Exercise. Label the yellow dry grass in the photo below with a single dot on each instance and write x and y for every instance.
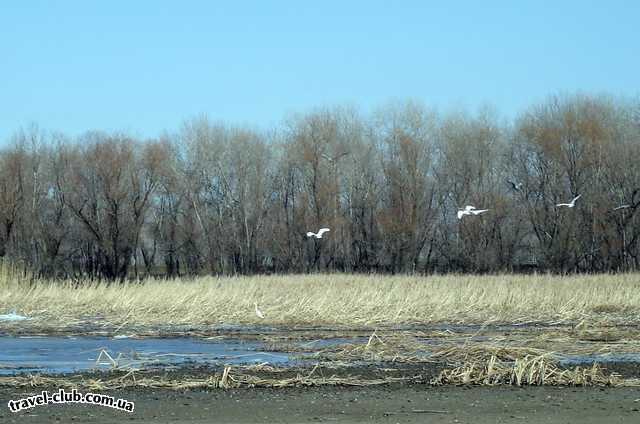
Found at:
(229, 377)
(336, 300)
(528, 371)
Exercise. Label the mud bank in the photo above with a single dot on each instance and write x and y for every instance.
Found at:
(387, 404)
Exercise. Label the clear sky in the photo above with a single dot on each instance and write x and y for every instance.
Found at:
(145, 66)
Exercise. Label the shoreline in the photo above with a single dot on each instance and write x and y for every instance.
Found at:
(415, 404)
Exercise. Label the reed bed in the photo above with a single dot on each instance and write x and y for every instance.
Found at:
(402, 348)
(457, 349)
(531, 370)
(329, 300)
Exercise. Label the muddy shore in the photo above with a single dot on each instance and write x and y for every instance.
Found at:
(406, 402)
(352, 388)
(386, 404)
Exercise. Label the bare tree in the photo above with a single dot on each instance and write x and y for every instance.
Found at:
(107, 185)
(220, 199)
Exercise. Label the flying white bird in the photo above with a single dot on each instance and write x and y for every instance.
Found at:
(572, 204)
(258, 311)
(622, 207)
(319, 234)
(470, 210)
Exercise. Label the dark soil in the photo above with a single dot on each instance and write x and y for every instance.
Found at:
(386, 404)
(390, 403)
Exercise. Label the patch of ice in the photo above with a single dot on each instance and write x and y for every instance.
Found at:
(13, 317)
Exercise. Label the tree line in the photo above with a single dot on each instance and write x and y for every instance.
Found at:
(212, 198)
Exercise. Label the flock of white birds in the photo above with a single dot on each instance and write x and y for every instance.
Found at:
(467, 210)
(472, 210)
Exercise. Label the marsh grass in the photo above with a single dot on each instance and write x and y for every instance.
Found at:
(330, 300)
(405, 347)
(229, 377)
(528, 370)
(483, 363)
(531, 370)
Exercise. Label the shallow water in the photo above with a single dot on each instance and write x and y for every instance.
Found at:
(70, 354)
(59, 354)
(572, 360)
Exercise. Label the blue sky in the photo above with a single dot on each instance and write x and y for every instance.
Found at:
(145, 66)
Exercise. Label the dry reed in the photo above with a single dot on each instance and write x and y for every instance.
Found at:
(530, 370)
(229, 377)
(333, 300)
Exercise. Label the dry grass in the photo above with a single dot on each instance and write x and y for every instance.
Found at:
(229, 377)
(388, 348)
(528, 371)
(456, 349)
(334, 300)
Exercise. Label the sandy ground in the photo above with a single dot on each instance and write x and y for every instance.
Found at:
(388, 404)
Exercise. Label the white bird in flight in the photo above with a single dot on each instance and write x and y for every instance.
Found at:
(258, 311)
(319, 234)
(470, 210)
(622, 207)
(572, 204)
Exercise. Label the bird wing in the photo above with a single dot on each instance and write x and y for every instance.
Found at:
(563, 204)
(621, 207)
(479, 211)
(310, 234)
(469, 207)
(322, 231)
(576, 198)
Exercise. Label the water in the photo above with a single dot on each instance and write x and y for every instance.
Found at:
(573, 360)
(71, 354)
(331, 342)
(58, 355)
